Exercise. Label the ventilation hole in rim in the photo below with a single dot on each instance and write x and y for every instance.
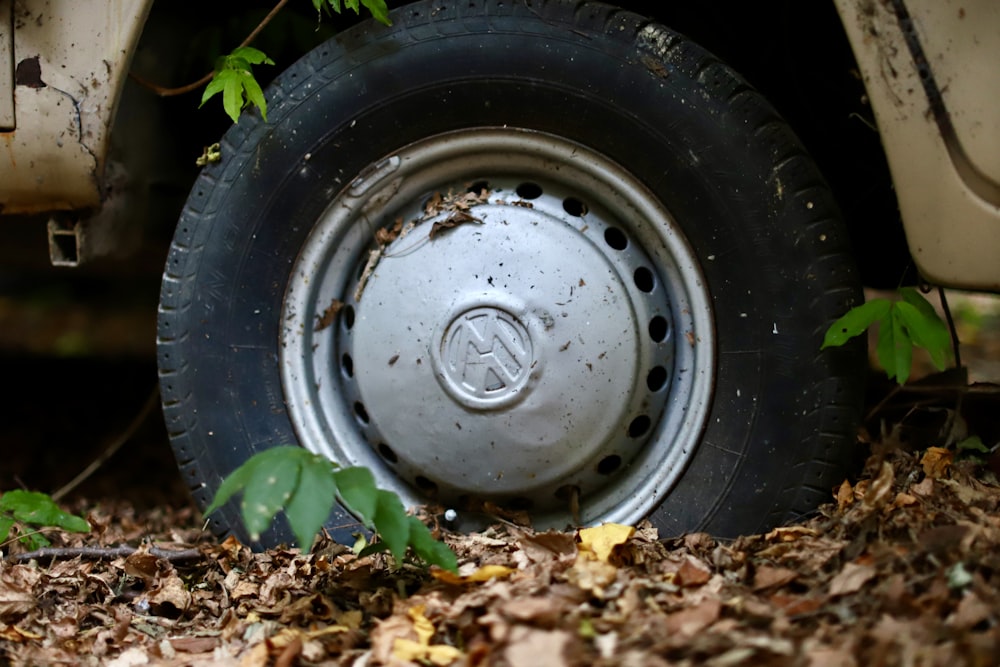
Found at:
(359, 410)
(575, 207)
(426, 486)
(656, 379)
(386, 452)
(477, 187)
(609, 464)
(644, 279)
(639, 426)
(347, 364)
(529, 190)
(348, 312)
(658, 328)
(615, 238)
(520, 504)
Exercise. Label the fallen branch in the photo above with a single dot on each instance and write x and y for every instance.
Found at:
(99, 553)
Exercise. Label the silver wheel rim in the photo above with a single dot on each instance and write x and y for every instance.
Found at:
(501, 316)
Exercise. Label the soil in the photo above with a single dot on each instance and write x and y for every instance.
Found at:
(901, 567)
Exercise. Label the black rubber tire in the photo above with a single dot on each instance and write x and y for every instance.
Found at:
(753, 205)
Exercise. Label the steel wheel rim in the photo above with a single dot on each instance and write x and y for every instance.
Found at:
(348, 395)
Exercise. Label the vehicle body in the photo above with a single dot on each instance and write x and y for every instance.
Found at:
(926, 66)
(720, 245)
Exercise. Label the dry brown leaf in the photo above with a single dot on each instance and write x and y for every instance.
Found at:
(692, 572)
(790, 533)
(528, 647)
(851, 579)
(845, 495)
(690, 621)
(936, 461)
(880, 489)
(767, 576)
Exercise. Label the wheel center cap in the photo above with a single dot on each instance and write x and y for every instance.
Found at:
(485, 357)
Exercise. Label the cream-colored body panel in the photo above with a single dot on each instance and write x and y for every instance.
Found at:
(70, 61)
(944, 154)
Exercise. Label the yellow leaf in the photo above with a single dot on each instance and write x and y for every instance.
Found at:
(602, 540)
(485, 573)
(936, 461)
(422, 650)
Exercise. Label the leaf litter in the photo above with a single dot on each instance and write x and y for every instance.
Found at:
(902, 567)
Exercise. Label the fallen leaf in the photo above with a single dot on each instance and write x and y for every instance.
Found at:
(878, 492)
(528, 647)
(936, 461)
(422, 650)
(767, 576)
(851, 579)
(790, 533)
(485, 573)
(602, 540)
(845, 495)
(690, 621)
(692, 572)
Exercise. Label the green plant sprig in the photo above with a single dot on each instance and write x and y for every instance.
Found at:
(306, 485)
(36, 509)
(234, 76)
(904, 323)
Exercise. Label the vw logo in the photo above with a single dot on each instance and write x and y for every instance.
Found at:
(485, 357)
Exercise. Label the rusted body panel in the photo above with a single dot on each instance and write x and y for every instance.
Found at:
(930, 71)
(70, 58)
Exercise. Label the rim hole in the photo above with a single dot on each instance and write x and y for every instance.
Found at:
(657, 378)
(348, 312)
(639, 426)
(348, 365)
(574, 207)
(520, 504)
(386, 452)
(426, 486)
(658, 328)
(609, 464)
(359, 410)
(644, 279)
(615, 238)
(476, 187)
(529, 191)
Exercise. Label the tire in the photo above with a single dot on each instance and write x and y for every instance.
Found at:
(605, 298)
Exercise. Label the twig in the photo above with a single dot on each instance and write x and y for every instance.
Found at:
(180, 90)
(113, 446)
(99, 553)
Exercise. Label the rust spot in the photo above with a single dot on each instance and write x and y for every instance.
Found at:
(29, 73)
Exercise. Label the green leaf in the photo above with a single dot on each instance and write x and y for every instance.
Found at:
(255, 95)
(430, 550)
(894, 349)
(855, 322)
(973, 443)
(267, 491)
(251, 55)
(310, 503)
(391, 523)
(925, 326)
(378, 10)
(356, 487)
(39, 509)
(6, 523)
